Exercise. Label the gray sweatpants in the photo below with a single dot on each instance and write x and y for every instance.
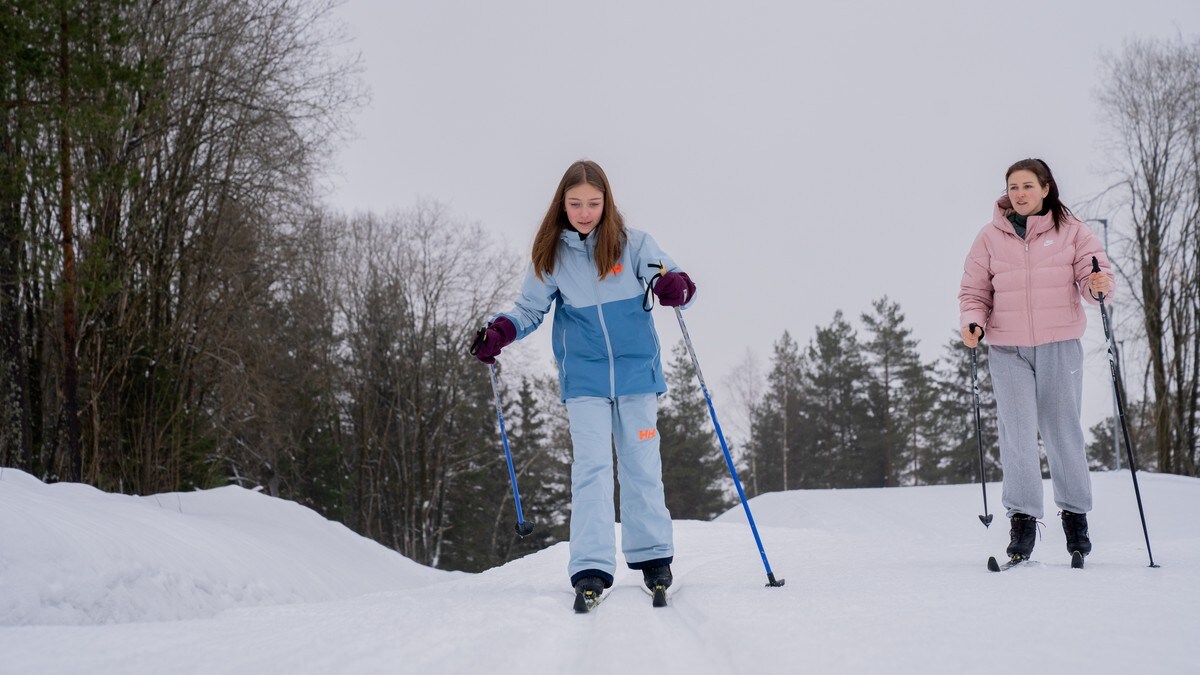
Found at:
(1041, 388)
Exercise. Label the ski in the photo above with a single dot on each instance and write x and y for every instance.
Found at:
(997, 567)
(586, 601)
(659, 594)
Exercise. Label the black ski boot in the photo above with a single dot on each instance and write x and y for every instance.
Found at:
(1075, 526)
(587, 593)
(657, 576)
(1022, 536)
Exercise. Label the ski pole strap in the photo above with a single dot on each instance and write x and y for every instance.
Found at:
(480, 337)
(648, 299)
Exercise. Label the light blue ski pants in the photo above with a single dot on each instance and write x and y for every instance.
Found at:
(631, 423)
(1041, 389)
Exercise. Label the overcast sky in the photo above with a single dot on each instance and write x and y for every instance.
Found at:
(795, 158)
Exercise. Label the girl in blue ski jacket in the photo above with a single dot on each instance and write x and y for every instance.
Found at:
(594, 272)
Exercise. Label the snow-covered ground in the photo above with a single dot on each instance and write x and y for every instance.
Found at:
(878, 581)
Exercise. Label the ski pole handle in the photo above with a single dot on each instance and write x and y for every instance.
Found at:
(971, 327)
(1095, 269)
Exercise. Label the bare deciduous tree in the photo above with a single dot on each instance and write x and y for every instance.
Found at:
(415, 286)
(1151, 101)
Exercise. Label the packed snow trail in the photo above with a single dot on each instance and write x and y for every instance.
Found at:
(878, 581)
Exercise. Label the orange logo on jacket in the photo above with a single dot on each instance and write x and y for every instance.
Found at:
(647, 434)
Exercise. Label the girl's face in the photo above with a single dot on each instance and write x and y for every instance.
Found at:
(1026, 193)
(584, 205)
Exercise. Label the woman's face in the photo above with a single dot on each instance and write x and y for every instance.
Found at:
(1026, 193)
(584, 205)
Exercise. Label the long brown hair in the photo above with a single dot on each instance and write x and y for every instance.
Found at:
(1042, 170)
(609, 233)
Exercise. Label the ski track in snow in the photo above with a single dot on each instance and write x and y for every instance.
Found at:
(230, 581)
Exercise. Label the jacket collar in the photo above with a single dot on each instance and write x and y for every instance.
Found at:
(571, 238)
(1034, 225)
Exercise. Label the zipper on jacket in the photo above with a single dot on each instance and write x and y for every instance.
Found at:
(1029, 290)
(612, 367)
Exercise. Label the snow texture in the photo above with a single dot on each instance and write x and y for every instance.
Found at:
(878, 581)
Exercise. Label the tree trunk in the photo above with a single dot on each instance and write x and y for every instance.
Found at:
(70, 387)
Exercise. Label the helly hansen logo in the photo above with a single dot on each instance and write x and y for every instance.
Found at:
(647, 434)
(617, 269)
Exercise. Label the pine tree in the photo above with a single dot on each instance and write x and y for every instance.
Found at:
(956, 458)
(897, 392)
(834, 403)
(480, 510)
(66, 82)
(694, 468)
(543, 466)
(775, 427)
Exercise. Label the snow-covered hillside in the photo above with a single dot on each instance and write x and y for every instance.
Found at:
(878, 581)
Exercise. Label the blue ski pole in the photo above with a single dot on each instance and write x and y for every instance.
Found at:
(523, 528)
(712, 412)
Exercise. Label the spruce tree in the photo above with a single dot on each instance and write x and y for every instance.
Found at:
(479, 508)
(834, 405)
(897, 392)
(775, 427)
(956, 458)
(543, 465)
(694, 469)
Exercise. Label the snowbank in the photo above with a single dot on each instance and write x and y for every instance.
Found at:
(71, 554)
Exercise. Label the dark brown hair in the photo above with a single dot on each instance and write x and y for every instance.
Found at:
(609, 233)
(1038, 168)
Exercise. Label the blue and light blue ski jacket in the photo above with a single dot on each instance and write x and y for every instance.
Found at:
(604, 342)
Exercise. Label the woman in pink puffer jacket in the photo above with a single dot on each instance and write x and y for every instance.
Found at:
(1024, 281)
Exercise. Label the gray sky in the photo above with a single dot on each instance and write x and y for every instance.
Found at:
(795, 158)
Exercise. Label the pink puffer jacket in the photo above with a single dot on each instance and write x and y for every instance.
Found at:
(1026, 292)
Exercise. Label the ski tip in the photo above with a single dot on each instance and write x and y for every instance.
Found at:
(1076, 560)
(585, 602)
(993, 565)
(660, 596)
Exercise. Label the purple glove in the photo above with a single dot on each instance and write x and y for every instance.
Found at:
(674, 289)
(489, 341)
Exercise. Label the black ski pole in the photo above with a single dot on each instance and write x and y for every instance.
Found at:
(986, 518)
(1117, 389)
(523, 528)
(712, 412)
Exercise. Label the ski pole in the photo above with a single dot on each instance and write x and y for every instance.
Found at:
(523, 528)
(1117, 388)
(712, 412)
(986, 518)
